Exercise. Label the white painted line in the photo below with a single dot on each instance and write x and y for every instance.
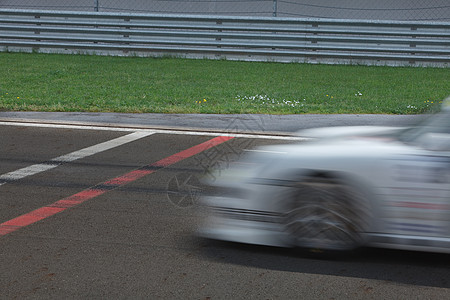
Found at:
(64, 126)
(53, 163)
(103, 146)
(182, 132)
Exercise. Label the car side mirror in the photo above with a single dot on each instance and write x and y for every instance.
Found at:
(435, 141)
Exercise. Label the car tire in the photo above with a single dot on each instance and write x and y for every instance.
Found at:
(325, 216)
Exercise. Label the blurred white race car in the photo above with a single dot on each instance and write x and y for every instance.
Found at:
(349, 187)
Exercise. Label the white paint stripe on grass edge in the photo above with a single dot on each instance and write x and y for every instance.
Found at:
(164, 131)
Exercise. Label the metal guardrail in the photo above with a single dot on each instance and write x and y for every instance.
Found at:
(248, 38)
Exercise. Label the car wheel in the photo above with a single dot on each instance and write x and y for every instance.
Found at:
(325, 215)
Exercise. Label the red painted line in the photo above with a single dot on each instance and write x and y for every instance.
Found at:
(191, 151)
(421, 205)
(77, 198)
(129, 177)
(83, 196)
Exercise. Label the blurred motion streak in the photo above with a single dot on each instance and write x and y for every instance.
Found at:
(346, 188)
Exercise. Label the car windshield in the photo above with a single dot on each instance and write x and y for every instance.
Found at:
(438, 123)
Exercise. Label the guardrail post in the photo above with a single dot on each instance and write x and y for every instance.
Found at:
(275, 8)
(126, 36)
(219, 39)
(413, 45)
(96, 5)
(37, 32)
(314, 41)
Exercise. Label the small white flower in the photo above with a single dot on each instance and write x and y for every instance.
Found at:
(267, 101)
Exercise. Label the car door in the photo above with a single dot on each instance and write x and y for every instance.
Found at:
(418, 197)
(416, 190)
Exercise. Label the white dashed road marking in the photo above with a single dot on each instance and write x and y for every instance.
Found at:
(53, 163)
(135, 135)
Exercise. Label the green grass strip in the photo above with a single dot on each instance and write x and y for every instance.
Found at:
(53, 82)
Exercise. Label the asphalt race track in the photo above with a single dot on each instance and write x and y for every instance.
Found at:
(112, 213)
